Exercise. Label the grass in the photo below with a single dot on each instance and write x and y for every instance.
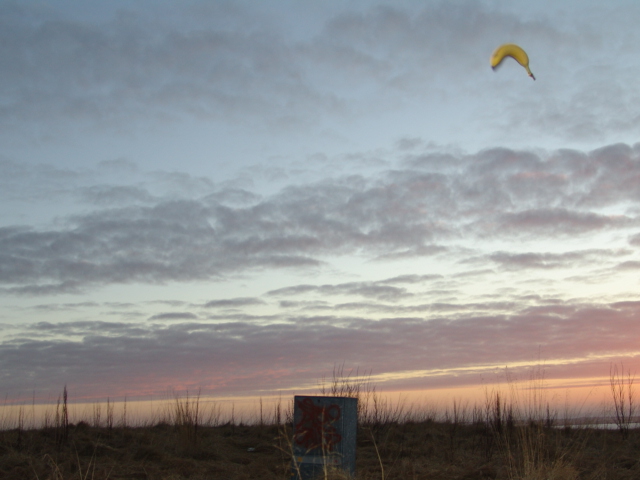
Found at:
(511, 436)
(409, 450)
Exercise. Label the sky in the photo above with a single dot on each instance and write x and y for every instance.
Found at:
(239, 196)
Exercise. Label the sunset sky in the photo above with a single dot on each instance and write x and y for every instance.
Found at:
(237, 196)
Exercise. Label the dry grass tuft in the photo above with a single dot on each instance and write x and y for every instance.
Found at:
(509, 437)
(407, 451)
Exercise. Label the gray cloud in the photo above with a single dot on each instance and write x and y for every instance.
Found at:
(244, 317)
(84, 328)
(234, 302)
(223, 357)
(629, 265)
(635, 240)
(452, 310)
(128, 66)
(303, 304)
(560, 221)
(171, 303)
(107, 195)
(590, 109)
(364, 289)
(28, 183)
(437, 208)
(411, 279)
(174, 316)
(67, 306)
(233, 196)
(549, 260)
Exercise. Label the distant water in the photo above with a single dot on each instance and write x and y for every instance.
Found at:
(600, 426)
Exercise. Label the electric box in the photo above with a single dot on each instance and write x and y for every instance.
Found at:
(324, 436)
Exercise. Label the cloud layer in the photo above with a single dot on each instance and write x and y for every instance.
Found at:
(424, 207)
(133, 68)
(247, 357)
(518, 226)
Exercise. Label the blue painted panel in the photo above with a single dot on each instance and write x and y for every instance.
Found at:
(324, 435)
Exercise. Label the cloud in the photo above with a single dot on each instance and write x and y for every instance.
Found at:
(234, 302)
(557, 221)
(115, 195)
(594, 103)
(364, 289)
(549, 260)
(174, 316)
(423, 208)
(128, 66)
(304, 304)
(84, 328)
(634, 240)
(238, 356)
(629, 265)
(68, 306)
(233, 196)
(28, 183)
(349, 64)
(245, 317)
(411, 279)
(399, 46)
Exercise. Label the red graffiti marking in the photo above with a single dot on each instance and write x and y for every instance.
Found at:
(315, 429)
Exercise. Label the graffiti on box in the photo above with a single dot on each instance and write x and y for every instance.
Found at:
(316, 428)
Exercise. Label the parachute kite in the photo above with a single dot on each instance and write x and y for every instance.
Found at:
(513, 51)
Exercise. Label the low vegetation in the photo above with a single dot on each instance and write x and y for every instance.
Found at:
(501, 439)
